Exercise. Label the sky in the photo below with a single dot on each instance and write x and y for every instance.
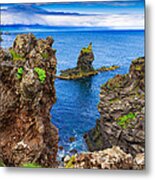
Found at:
(109, 14)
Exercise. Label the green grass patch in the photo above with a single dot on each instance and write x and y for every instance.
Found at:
(123, 121)
(41, 74)
(31, 165)
(71, 162)
(88, 49)
(2, 164)
(45, 55)
(20, 72)
(16, 56)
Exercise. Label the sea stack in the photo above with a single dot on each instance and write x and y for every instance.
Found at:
(84, 66)
(27, 95)
(86, 59)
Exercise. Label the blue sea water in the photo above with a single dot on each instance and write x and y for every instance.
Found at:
(75, 111)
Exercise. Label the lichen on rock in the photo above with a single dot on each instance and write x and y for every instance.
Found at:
(26, 133)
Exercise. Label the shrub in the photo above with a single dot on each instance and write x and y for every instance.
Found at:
(41, 74)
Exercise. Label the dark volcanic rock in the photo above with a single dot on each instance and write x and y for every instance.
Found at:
(121, 108)
(27, 95)
(72, 139)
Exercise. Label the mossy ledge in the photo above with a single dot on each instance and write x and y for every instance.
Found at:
(84, 66)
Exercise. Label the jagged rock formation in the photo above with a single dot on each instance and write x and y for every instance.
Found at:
(84, 66)
(122, 110)
(112, 158)
(27, 94)
(86, 59)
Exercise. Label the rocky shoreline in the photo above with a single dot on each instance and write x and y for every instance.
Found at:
(110, 158)
(27, 136)
(118, 140)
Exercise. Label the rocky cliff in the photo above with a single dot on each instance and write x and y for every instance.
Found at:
(27, 95)
(122, 110)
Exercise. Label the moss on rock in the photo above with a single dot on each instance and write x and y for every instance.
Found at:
(31, 165)
(16, 56)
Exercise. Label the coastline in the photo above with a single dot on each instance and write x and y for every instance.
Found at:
(100, 69)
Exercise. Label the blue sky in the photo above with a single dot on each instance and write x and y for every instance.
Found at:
(109, 14)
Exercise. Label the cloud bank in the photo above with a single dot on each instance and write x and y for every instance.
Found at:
(105, 17)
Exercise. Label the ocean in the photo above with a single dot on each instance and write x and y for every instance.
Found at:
(75, 111)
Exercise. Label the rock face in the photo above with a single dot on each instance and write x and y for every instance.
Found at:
(84, 66)
(1, 37)
(86, 59)
(112, 158)
(27, 94)
(121, 107)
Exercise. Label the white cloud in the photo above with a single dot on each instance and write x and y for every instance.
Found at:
(115, 21)
(20, 18)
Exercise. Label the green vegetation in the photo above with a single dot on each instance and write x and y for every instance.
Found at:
(88, 49)
(123, 121)
(45, 55)
(71, 162)
(41, 74)
(20, 72)
(2, 164)
(31, 165)
(16, 56)
(85, 50)
(138, 68)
